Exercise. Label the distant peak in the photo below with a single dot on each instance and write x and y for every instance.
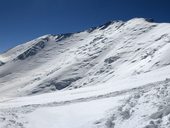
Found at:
(150, 19)
(142, 20)
(105, 25)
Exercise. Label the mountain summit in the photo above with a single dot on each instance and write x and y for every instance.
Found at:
(124, 62)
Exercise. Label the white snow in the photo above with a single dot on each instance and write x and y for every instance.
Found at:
(114, 76)
(78, 115)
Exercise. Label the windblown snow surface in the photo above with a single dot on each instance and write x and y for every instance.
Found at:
(113, 76)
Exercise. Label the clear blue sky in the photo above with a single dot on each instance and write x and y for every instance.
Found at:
(24, 20)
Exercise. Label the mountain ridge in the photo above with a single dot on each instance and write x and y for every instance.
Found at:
(106, 23)
(96, 52)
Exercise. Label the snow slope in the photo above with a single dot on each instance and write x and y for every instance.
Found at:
(67, 61)
(112, 76)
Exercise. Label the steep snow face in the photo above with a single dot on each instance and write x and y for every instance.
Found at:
(112, 52)
(20, 49)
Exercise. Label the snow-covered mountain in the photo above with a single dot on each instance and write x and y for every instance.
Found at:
(117, 73)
